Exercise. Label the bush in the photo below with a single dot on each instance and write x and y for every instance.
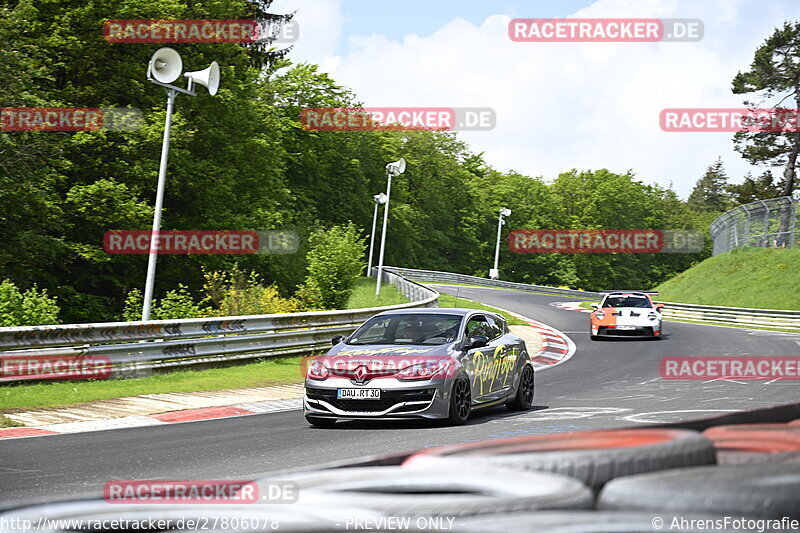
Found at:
(237, 293)
(174, 305)
(30, 308)
(334, 263)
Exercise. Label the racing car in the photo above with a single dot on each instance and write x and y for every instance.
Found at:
(630, 314)
(437, 363)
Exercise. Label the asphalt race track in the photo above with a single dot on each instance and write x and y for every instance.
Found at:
(612, 383)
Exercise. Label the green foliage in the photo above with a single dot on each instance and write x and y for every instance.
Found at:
(242, 161)
(177, 304)
(335, 260)
(773, 75)
(132, 312)
(754, 189)
(32, 307)
(237, 293)
(710, 193)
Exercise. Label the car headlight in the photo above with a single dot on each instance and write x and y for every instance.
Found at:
(422, 370)
(652, 315)
(317, 370)
(600, 315)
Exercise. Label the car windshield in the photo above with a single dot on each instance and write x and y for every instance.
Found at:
(627, 301)
(408, 329)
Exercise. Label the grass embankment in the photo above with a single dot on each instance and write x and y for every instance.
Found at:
(751, 277)
(277, 371)
(363, 295)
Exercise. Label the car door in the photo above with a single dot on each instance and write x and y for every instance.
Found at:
(484, 363)
(504, 356)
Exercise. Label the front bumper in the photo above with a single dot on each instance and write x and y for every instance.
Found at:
(653, 330)
(399, 400)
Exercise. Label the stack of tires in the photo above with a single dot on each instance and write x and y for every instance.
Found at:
(729, 478)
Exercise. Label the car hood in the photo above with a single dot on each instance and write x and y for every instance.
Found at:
(383, 357)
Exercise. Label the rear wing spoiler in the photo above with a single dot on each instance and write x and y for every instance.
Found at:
(640, 293)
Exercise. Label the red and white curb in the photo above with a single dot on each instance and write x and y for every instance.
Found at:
(556, 349)
(188, 415)
(570, 306)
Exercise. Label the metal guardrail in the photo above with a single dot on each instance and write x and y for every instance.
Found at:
(434, 276)
(766, 223)
(192, 341)
(741, 316)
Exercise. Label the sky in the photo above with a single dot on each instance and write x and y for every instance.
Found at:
(559, 106)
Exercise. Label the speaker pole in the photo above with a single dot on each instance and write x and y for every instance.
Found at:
(162, 178)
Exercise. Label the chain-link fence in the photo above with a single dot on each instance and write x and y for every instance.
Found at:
(766, 223)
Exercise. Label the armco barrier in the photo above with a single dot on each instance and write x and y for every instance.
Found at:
(434, 276)
(741, 316)
(193, 341)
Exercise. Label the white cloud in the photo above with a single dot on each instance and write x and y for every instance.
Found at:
(568, 105)
(320, 23)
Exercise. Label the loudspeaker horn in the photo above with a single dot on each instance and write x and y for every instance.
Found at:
(397, 168)
(165, 66)
(208, 77)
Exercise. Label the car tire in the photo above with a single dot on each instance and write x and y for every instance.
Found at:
(593, 457)
(758, 491)
(460, 402)
(397, 491)
(762, 438)
(523, 399)
(321, 422)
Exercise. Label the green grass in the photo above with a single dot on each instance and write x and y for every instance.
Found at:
(751, 277)
(363, 295)
(448, 300)
(278, 371)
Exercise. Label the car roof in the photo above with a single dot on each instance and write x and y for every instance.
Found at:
(460, 311)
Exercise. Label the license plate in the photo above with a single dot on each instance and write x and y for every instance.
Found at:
(358, 394)
(626, 327)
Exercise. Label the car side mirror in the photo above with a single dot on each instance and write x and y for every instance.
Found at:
(478, 341)
(338, 339)
(595, 306)
(660, 308)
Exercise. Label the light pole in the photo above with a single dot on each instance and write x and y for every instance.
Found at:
(392, 169)
(495, 273)
(165, 67)
(379, 199)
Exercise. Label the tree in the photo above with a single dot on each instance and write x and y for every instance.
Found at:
(775, 75)
(335, 260)
(751, 190)
(710, 191)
